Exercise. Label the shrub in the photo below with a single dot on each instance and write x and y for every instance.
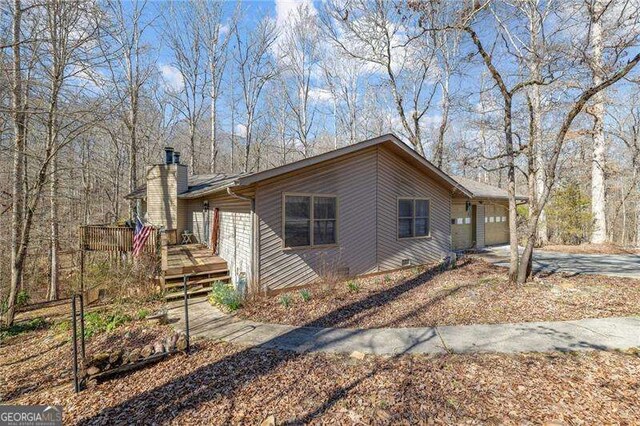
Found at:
(387, 278)
(569, 215)
(225, 296)
(100, 322)
(353, 286)
(285, 300)
(142, 313)
(22, 327)
(305, 294)
(22, 298)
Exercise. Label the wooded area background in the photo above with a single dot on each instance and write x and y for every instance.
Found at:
(535, 96)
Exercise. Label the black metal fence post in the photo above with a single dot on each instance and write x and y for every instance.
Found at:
(82, 347)
(76, 383)
(186, 310)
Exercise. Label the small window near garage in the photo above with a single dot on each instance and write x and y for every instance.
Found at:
(467, 220)
(460, 221)
(486, 219)
(413, 217)
(492, 219)
(504, 218)
(310, 220)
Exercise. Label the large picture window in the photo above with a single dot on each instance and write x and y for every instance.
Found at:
(413, 217)
(310, 220)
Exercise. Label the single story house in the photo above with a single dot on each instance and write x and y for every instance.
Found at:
(366, 208)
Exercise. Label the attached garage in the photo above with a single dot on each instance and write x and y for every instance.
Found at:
(496, 224)
(482, 220)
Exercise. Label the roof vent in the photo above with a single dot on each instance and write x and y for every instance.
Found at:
(406, 262)
(168, 155)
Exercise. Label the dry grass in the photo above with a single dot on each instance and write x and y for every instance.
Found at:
(223, 383)
(607, 248)
(474, 292)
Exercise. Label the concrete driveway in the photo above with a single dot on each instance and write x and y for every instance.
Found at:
(627, 265)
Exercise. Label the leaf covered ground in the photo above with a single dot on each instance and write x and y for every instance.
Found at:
(36, 353)
(222, 383)
(474, 292)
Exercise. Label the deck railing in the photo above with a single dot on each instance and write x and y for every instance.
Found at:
(113, 238)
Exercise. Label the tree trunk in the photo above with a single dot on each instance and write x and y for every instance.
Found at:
(213, 154)
(133, 149)
(511, 190)
(192, 147)
(439, 150)
(19, 129)
(247, 149)
(52, 293)
(599, 233)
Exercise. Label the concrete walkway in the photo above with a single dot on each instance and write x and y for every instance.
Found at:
(626, 266)
(589, 334)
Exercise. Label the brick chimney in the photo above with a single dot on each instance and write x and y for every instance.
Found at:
(164, 182)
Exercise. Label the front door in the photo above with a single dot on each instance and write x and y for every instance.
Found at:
(461, 226)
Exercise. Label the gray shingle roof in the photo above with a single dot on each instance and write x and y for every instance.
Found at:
(483, 190)
(199, 185)
(205, 184)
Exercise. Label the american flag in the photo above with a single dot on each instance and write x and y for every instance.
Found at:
(140, 236)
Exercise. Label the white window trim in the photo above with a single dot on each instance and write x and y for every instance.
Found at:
(311, 195)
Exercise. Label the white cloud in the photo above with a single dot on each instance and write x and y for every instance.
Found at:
(284, 8)
(241, 130)
(172, 78)
(320, 95)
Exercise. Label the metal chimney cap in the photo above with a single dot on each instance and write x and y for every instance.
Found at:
(168, 155)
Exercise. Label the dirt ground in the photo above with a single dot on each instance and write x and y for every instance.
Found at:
(474, 292)
(590, 249)
(221, 383)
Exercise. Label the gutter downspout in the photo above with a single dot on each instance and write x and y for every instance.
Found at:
(253, 280)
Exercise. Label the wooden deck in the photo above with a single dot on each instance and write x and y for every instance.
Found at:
(198, 263)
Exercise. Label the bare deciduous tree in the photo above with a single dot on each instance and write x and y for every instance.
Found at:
(255, 67)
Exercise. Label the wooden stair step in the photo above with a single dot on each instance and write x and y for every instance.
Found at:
(180, 284)
(180, 276)
(180, 294)
(195, 268)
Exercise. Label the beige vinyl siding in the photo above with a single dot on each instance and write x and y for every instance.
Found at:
(496, 232)
(480, 238)
(397, 179)
(461, 234)
(234, 243)
(196, 222)
(352, 179)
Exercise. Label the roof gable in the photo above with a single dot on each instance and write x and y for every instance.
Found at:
(207, 184)
(389, 140)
